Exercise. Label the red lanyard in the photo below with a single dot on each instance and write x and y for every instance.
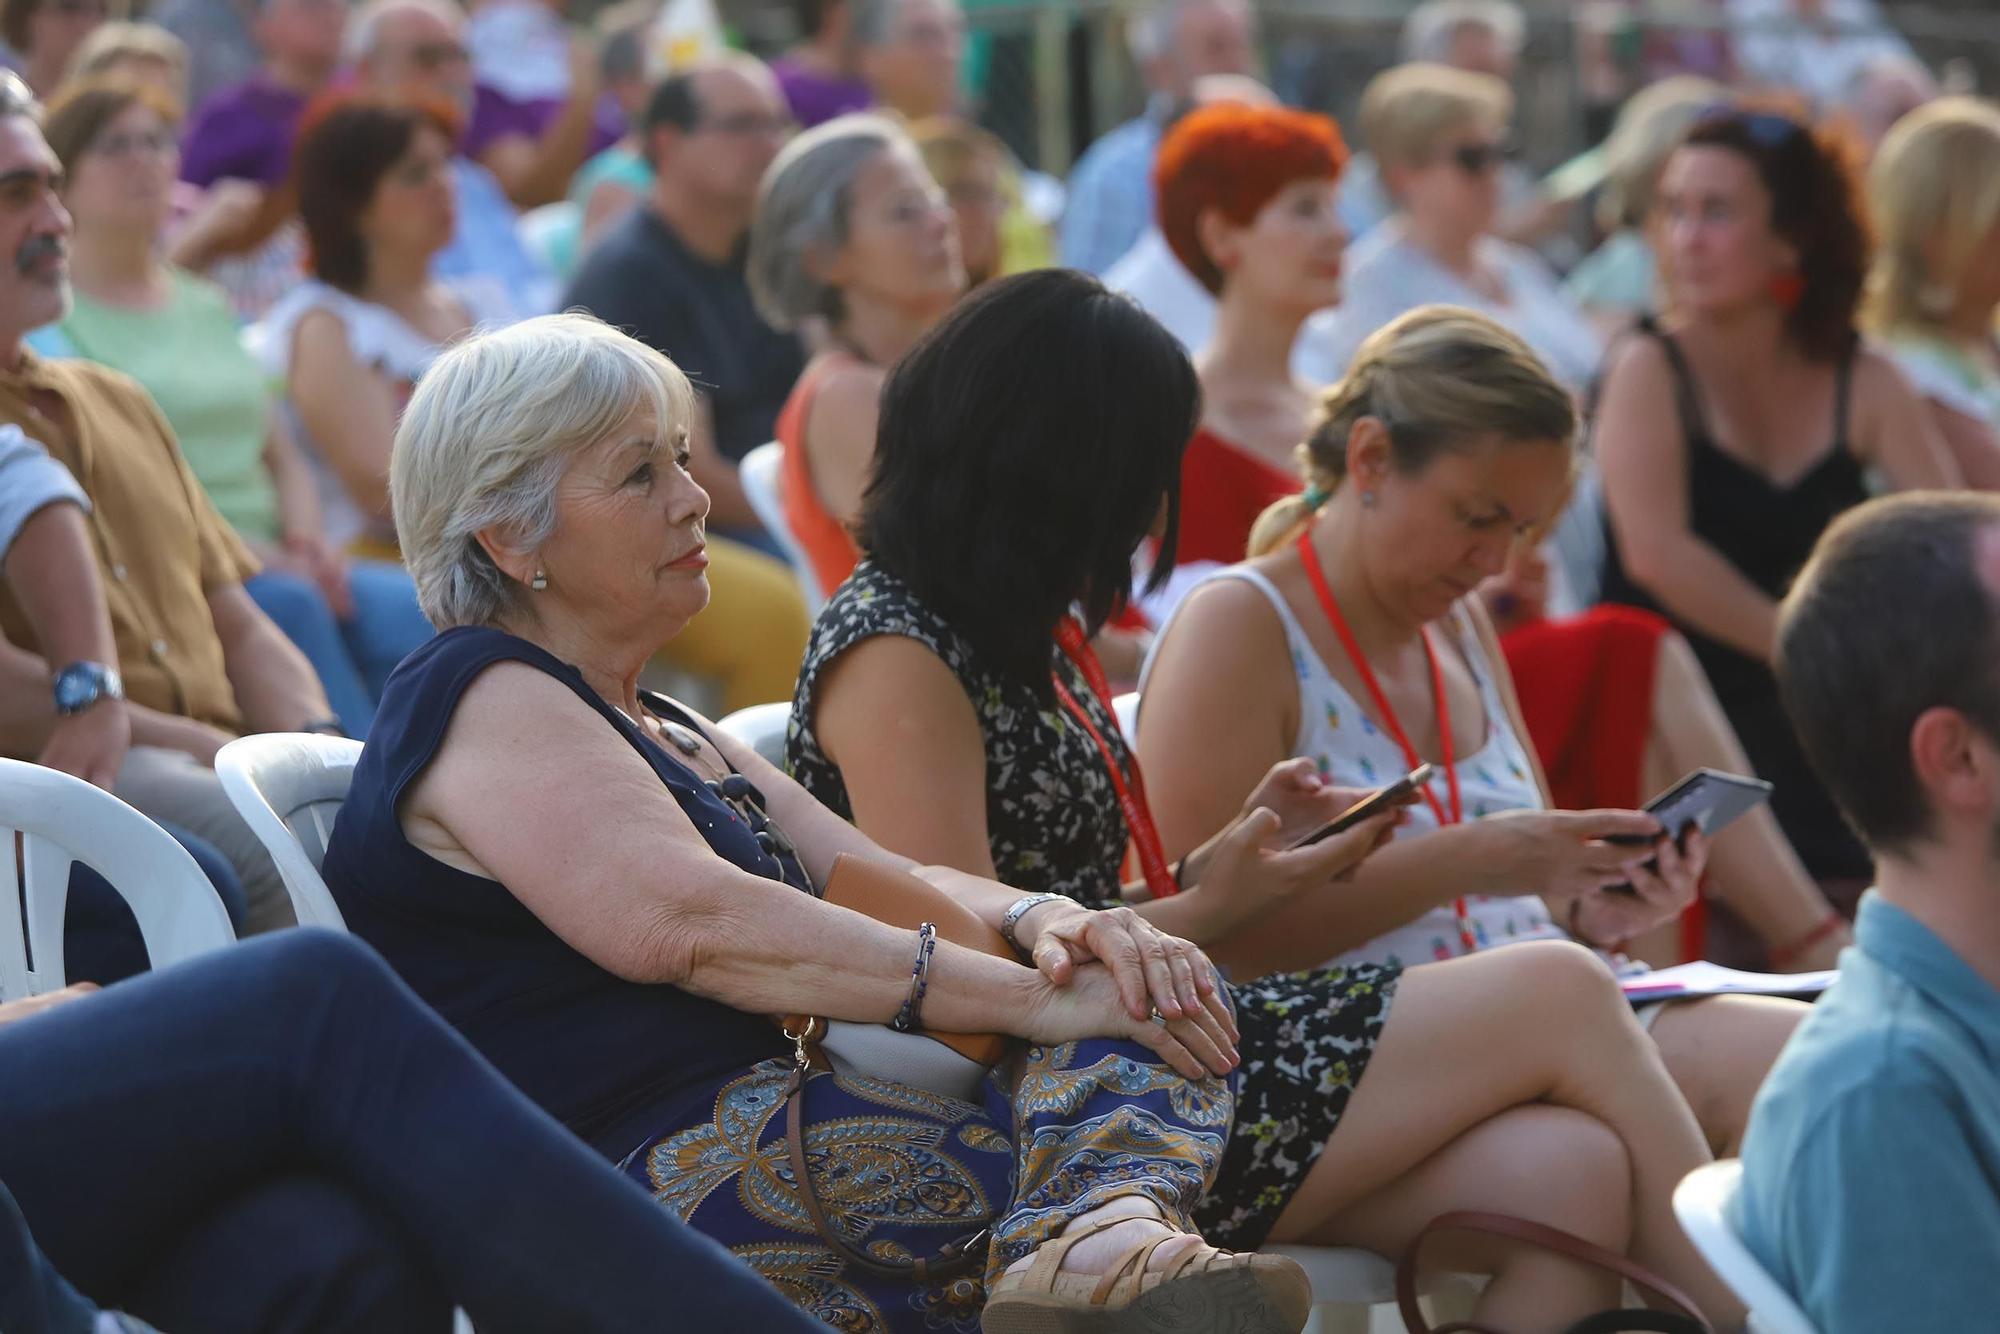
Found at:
(1131, 796)
(1317, 576)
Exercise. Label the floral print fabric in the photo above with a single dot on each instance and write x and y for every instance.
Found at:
(1054, 826)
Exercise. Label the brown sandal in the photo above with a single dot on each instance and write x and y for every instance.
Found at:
(1203, 1289)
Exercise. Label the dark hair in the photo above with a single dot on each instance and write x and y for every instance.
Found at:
(14, 16)
(81, 112)
(346, 145)
(1816, 206)
(1026, 446)
(1890, 618)
(810, 15)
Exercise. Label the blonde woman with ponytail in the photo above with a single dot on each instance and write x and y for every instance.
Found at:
(1354, 639)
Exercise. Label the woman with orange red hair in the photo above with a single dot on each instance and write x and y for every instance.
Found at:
(1247, 202)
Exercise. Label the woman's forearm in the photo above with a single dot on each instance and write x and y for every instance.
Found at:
(1699, 586)
(763, 947)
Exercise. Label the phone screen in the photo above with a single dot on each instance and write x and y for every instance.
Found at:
(1381, 799)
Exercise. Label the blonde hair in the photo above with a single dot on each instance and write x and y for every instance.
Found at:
(1406, 110)
(488, 434)
(118, 40)
(1440, 378)
(1934, 188)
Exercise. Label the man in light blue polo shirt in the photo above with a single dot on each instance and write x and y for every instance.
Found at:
(1871, 1183)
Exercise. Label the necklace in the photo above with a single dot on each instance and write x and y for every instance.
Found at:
(724, 783)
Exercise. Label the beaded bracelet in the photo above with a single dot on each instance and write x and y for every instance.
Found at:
(910, 1019)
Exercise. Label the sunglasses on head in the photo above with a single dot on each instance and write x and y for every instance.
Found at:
(1478, 159)
(1766, 129)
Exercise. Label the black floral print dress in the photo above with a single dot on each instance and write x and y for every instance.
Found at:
(1054, 826)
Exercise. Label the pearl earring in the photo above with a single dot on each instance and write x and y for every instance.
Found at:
(1368, 500)
(539, 582)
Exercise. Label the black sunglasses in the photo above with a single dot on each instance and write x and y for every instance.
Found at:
(1478, 159)
(1766, 129)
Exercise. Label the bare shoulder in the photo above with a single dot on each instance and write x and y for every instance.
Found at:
(892, 668)
(1636, 358)
(1226, 620)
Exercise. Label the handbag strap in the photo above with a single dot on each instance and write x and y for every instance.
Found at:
(950, 1259)
(1689, 1320)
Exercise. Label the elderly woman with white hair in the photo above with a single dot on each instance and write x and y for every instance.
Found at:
(609, 898)
(851, 231)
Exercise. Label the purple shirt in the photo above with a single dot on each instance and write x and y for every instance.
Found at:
(814, 97)
(497, 116)
(244, 132)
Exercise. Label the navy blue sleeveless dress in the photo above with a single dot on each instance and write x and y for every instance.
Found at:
(686, 1094)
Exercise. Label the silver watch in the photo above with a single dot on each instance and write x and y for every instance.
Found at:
(82, 684)
(1020, 908)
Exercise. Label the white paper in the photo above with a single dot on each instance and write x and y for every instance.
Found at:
(1708, 979)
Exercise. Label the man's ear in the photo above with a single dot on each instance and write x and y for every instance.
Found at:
(1955, 764)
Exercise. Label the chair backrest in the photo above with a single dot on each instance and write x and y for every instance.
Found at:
(60, 820)
(1126, 707)
(1701, 1203)
(759, 471)
(762, 728)
(288, 787)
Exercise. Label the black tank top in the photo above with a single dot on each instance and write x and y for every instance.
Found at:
(1767, 532)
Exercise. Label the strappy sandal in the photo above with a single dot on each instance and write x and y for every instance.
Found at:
(1200, 1290)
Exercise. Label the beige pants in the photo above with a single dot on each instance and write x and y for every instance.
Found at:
(172, 785)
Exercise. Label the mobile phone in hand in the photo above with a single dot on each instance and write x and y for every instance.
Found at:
(1398, 793)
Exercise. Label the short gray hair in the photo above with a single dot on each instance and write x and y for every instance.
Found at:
(1149, 34)
(1430, 28)
(804, 209)
(488, 434)
(873, 20)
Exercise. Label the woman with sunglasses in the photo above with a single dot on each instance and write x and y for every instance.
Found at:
(1438, 135)
(1732, 432)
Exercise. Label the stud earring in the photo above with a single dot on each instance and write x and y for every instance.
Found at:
(1368, 500)
(539, 582)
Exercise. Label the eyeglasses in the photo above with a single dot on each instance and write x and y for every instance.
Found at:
(1478, 159)
(745, 124)
(152, 143)
(437, 55)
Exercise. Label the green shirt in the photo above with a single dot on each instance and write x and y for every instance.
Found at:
(189, 355)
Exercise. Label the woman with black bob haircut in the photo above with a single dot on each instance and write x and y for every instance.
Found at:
(1098, 472)
(951, 706)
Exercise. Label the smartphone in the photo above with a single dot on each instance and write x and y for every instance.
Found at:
(1396, 794)
(1708, 799)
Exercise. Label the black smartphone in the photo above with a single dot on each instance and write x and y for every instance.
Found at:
(1397, 793)
(1708, 799)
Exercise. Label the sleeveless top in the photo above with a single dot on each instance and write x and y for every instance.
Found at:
(1052, 817)
(1224, 487)
(827, 544)
(616, 1061)
(1767, 532)
(1352, 751)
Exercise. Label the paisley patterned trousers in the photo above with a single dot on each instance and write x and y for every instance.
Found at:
(1059, 1131)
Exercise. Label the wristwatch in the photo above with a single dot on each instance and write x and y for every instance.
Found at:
(82, 684)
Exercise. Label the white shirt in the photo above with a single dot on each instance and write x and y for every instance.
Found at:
(1388, 275)
(1152, 276)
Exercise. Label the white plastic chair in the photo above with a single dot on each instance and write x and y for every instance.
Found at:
(288, 787)
(762, 728)
(1701, 1203)
(62, 820)
(759, 471)
(1126, 706)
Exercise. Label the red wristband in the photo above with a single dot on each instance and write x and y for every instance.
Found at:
(1782, 956)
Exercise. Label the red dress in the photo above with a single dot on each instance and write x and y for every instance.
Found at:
(1224, 487)
(827, 544)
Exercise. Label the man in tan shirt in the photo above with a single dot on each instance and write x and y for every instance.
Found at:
(199, 662)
